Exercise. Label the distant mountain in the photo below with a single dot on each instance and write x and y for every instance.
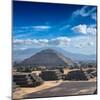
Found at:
(20, 55)
(75, 56)
(49, 58)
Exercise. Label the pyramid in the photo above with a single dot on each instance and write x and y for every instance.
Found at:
(92, 72)
(27, 79)
(77, 75)
(51, 75)
(48, 57)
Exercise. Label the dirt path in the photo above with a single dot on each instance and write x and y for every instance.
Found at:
(23, 91)
(66, 88)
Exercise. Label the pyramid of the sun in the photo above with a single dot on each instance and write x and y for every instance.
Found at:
(49, 58)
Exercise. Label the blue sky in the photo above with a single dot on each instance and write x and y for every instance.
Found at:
(71, 27)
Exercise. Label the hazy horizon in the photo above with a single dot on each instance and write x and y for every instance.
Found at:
(20, 56)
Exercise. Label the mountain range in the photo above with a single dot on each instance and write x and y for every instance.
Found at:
(20, 55)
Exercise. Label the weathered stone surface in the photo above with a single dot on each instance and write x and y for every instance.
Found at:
(51, 75)
(27, 79)
(77, 75)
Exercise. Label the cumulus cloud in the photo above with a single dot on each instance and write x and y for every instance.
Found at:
(80, 29)
(62, 41)
(84, 12)
(83, 41)
(84, 29)
(82, 45)
(31, 41)
(79, 44)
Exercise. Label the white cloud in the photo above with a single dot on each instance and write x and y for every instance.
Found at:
(84, 12)
(82, 44)
(35, 27)
(90, 43)
(64, 27)
(78, 45)
(42, 42)
(93, 16)
(84, 29)
(31, 41)
(80, 29)
(91, 30)
(42, 27)
(83, 41)
(62, 41)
